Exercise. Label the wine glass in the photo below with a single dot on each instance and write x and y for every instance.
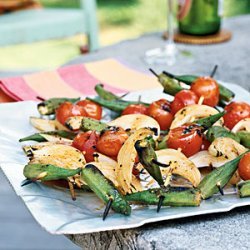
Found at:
(167, 54)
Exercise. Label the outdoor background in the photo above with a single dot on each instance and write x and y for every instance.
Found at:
(118, 20)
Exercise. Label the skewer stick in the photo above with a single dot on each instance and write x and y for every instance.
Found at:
(201, 100)
(26, 182)
(161, 199)
(40, 98)
(107, 208)
(72, 190)
(154, 73)
(220, 188)
(214, 71)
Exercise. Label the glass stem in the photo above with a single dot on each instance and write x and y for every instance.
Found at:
(170, 19)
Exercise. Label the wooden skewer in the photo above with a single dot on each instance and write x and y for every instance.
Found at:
(201, 100)
(72, 190)
(161, 199)
(107, 208)
(214, 71)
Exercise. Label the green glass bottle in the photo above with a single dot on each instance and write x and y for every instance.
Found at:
(199, 17)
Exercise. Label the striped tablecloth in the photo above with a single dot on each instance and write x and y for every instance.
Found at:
(75, 80)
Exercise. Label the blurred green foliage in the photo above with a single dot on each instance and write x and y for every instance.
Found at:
(118, 20)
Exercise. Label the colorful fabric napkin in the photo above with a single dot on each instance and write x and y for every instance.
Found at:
(74, 81)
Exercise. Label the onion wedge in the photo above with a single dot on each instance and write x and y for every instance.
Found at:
(242, 125)
(178, 164)
(126, 160)
(135, 121)
(194, 112)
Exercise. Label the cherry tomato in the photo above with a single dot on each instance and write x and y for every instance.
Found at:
(93, 110)
(187, 137)
(236, 111)
(205, 144)
(66, 110)
(208, 88)
(111, 140)
(135, 109)
(244, 167)
(182, 99)
(160, 111)
(86, 142)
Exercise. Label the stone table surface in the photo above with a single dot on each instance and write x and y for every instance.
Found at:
(218, 231)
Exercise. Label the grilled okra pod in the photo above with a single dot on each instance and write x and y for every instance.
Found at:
(244, 189)
(48, 107)
(114, 105)
(48, 172)
(244, 138)
(218, 178)
(85, 124)
(148, 159)
(225, 93)
(38, 137)
(104, 189)
(216, 131)
(92, 124)
(172, 197)
(170, 85)
(208, 122)
(104, 94)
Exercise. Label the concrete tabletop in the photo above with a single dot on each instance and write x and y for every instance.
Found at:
(218, 231)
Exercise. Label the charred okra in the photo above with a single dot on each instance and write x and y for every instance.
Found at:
(114, 105)
(104, 94)
(225, 93)
(218, 178)
(171, 197)
(244, 189)
(105, 190)
(38, 137)
(48, 172)
(48, 107)
(85, 124)
(243, 137)
(148, 159)
(208, 122)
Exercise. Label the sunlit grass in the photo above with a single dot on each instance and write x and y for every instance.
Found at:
(118, 20)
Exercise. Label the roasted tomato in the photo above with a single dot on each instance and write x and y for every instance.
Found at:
(244, 167)
(93, 110)
(187, 137)
(182, 99)
(205, 144)
(111, 140)
(160, 111)
(86, 142)
(66, 110)
(135, 109)
(236, 111)
(208, 88)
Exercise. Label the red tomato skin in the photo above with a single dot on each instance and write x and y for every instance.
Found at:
(111, 141)
(189, 142)
(208, 88)
(235, 112)
(66, 110)
(205, 144)
(160, 111)
(86, 142)
(244, 167)
(135, 109)
(182, 99)
(92, 109)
